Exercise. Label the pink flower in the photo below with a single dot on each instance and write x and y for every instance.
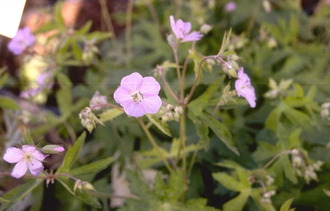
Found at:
(97, 101)
(181, 30)
(27, 157)
(230, 6)
(138, 95)
(22, 40)
(244, 88)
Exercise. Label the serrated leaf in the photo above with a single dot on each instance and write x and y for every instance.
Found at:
(92, 168)
(286, 205)
(72, 154)
(160, 125)
(220, 130)
(109, 114)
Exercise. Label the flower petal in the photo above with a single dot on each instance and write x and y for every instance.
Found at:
(134, 109)
(193, 36)
(132, 81)
(151, 104)
(38, 155)
(149, 86)
(175, 30)
(123, 96)
(35, 167)
(13, 155)
(20, 169)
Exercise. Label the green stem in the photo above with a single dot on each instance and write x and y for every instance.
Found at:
(186, 101)
(154, 144)
(129, 12)
(175, 52)
(167, 86)
(275, 157)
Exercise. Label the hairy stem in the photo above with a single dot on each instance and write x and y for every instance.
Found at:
(154, 144)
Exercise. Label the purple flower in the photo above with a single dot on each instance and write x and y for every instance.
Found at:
(43, 80)
(230, 6)
(97, 101)
(244, 88)
(22, 40)
(27, 157)
(181, 30)
(138, 95)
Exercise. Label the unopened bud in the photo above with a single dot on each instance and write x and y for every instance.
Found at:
(52, 149)
(205, 28)
(232, 73)
(267, 6)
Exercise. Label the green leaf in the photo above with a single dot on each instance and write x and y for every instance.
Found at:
(109, 114)
(85, 196)
(2, 200)
(19, 192)
(92, 168)
(64, 101)
(72, 154)
(286, 205)
(228, 182)
(63, 80)
(201, 129)
(160, 187)
(3, 79)
(237, 203)
(8, 103)
(287, 168)
(176, 186)
(28, 138)
(297, 117)
(220, 130)
(273, 119)
(58, 15)
(159, 124)
(196, 106)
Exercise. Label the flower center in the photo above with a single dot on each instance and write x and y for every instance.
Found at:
(28, 157)
(137, 96)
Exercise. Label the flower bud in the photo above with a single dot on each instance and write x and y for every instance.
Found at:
(52, 149)
(205, 28)
(232, 73)
(172, 41)
(267, 6)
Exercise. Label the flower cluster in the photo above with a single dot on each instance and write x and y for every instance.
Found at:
(138, 95)
(23, 39)
(304, 169)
